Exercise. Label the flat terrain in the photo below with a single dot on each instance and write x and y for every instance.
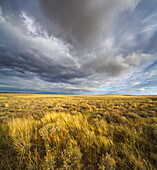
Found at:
(78, 131)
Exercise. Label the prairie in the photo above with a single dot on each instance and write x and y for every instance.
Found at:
(84, 132)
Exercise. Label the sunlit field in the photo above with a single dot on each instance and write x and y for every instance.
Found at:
(71, 132)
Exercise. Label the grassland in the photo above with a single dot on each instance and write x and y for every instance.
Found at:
(78, 132)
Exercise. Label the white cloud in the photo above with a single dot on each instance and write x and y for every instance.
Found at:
(136, 58)
(29, 23)
(141, 89)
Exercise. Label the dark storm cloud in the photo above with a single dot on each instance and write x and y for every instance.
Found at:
(26, 53)
(84, 22)
(33, 64)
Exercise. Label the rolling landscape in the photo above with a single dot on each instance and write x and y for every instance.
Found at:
(71, 132)
(78, 84)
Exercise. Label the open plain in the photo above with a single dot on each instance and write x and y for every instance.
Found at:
(39, 131)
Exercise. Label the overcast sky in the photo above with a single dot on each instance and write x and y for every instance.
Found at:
(78, 46)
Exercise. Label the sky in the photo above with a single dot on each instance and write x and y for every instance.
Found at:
(78, 46)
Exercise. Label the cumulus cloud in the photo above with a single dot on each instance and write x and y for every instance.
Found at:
(108, 65)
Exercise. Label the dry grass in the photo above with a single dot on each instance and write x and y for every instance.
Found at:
(78, 132)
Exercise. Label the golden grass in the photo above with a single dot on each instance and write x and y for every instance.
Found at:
(78, 132)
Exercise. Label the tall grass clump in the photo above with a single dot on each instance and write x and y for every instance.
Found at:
(21, 140)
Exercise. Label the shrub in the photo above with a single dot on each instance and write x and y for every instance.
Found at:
(131, 115)
(71, 158)
(107, 162)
